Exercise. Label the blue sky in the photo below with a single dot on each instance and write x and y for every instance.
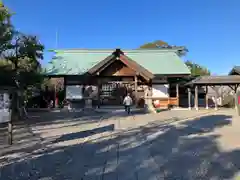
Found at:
(208, 28)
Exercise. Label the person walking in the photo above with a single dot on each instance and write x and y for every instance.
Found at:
(127, 102)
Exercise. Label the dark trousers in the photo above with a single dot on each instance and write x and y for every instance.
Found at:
(127, 109)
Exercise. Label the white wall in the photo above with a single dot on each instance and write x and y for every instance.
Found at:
(4, 108)
(160, 90)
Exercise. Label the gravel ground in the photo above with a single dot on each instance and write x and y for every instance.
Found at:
(186, 145)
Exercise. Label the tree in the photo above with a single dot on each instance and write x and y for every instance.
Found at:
(6, 28)
(196, 69)
(181, 50)
(20, 55)
(155, 44)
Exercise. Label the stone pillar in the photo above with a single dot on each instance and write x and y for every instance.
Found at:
(88, 103)
(196, 97)
(148, 100)
(189, 99)
(206, 97)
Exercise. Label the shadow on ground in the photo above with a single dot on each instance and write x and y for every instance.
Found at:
(73, 118)
(83, 134)
(25, 140)
(156, 151)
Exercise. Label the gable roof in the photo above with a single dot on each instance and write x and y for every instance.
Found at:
(119, 55)
(102, 64)
(77, 62)
(136, 67)
(235, 70)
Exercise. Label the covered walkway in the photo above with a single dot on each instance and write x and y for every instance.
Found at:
(232, 81)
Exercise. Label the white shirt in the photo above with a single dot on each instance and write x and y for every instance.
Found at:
(127, 101)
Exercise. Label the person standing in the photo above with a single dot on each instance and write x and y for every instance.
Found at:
(127, 102)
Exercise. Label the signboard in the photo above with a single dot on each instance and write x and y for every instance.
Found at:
(74, 92)
(4, 108)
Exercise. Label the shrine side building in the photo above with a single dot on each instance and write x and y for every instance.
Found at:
(105, 76)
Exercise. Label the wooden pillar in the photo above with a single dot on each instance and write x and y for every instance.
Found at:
(169, 86)
(151, 88)
(10, 122)
(196, 97)
(99, 87)
(177, 94)
(136, 90)
(64, 86)
(235, 95)
(189, 99)
(206, 97)
(151, 93)
(10, 128)
(55, 96)
(216, 106)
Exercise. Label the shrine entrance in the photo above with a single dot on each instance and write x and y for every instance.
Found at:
(113, 93)
(117, 75)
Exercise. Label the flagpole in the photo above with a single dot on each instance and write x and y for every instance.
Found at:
(55, 85)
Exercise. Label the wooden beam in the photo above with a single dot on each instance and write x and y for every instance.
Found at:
(233, 88)
(236, 87)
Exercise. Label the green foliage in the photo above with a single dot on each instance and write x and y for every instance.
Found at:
(20, 53)
(155, 44)
(19, 59)
(6, 28)
(197, 70)
(181, 50)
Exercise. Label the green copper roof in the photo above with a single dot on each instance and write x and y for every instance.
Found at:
(77, 62)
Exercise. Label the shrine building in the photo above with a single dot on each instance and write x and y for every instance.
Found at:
(105, 76)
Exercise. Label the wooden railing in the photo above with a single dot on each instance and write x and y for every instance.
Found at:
(165, 102)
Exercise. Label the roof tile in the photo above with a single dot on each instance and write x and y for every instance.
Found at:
(77, 62)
